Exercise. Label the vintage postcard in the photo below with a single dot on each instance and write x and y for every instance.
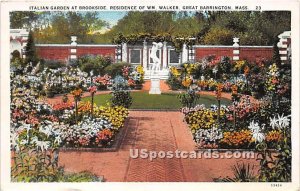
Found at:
(127, 95)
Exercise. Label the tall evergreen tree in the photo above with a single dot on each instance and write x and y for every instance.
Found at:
(30, 50)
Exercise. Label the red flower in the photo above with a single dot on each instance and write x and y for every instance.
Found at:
(32, 120)
(218, 92)
(103, 135)
(84, 141)
(63, 106)
(92, 89)
(131, 82)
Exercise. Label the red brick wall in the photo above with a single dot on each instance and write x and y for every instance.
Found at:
(53, 53)
(202, 52)
(246, 53)
(255, 53)
(63, 52)
(104, 51)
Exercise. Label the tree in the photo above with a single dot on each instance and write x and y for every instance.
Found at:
(60, 26)
(253, 28)
(22, 19)
(92, 23)
(30, 51)
(218, 36)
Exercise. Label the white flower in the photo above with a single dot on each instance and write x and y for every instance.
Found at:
(34, 140)
(258, 136)
(215, 70)
(283, 121)
(256, 132)
(47, 130)
(43, 145)
(254, 127)
(24, 142)
(57, 140)
(14, 140)
(273, 122)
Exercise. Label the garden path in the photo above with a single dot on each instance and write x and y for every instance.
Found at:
(154, 131)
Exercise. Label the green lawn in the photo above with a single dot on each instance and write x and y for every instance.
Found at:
(144, 100)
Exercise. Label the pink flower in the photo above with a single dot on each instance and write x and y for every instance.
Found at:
(92, 89)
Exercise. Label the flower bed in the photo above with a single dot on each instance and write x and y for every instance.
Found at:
(251, 78)
(210, 133)
(35, 122)
(39, 129)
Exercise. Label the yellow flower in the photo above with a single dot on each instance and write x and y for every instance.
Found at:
(174, 71)
(186, 82)
(239, 64)
(274, 136)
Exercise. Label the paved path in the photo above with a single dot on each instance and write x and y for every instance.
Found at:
(154, 131)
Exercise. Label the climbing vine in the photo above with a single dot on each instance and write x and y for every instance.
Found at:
(176, 41)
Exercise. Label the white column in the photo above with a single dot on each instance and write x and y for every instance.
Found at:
(145, 55)
(236, 51)
(283, 46)
(184, 54)
(124, 52)
(73, 50)
(165, 55)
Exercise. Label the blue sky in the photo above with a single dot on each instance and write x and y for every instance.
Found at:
(111, 17)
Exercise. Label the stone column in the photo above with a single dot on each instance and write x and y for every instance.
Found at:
(184, 54)
(118, 53)
(283, 45)
(73, 50)
(145, 55)
(165, 55)
(236, 51)
(124, 52)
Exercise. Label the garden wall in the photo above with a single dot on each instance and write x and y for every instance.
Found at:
(250, 53)
(63, 51)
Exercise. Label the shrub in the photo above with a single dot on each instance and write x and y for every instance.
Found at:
(44, 169)
(52, 64)
(84, 176)
(242, 173)
(174, 83)
(188, 99)
(115, 69)
(97, 64)
(121, 98)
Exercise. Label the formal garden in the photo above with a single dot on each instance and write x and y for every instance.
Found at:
(256, 118)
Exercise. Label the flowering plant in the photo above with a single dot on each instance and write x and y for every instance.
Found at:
(203, 118)
(237, 139)
(102, 81)
(92, 89)
(174, 71)
(116, 115)
(137, 75)
(84, 133)
(208, 137)
(103, 136)
(218, 91)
